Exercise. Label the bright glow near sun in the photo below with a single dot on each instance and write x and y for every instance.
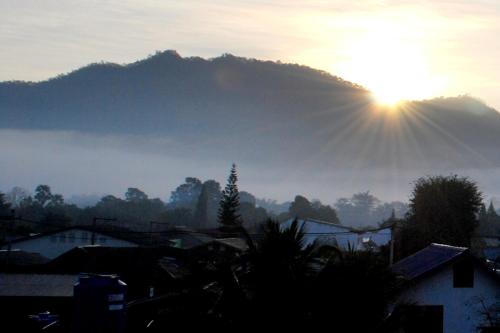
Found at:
(392, 66)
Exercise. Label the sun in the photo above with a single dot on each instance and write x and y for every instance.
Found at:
(393, 68)
(387, 96)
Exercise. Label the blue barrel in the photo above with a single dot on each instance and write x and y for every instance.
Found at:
(100, 306)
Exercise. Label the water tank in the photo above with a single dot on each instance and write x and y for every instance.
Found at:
(99, 304)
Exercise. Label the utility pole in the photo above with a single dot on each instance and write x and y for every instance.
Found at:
(94, 225)
(391, 248)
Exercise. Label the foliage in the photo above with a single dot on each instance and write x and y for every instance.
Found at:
(489, 221)
(353, 292)
(16, 196)
(43, 194)
(187, 194)
(5, 207)
(279, 270)
(443, 209)
(135, 195)
(229, 215)
(280, 283)
(272, 206)
(253, 216)
(302, 208)
(205, 214)
(135, 212)
(363, 209)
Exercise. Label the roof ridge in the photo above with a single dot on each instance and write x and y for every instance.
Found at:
(449, 246)
(326, 222)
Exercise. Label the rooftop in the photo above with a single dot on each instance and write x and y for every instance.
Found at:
(426, 260)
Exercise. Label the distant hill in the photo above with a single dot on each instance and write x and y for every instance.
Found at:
(251, 110)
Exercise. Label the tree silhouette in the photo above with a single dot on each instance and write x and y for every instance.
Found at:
(302, 208)
(5, 207)
(443, 209)
(201, 212)
(230, 201)
(43, 194)
(492, 213)
(135, 195)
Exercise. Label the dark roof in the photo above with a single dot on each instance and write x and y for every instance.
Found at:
(136, 237)
(428, 259)
(101, 259)
(186, 239)
(234, 242)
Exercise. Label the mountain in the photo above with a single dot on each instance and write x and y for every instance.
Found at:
(255, 111)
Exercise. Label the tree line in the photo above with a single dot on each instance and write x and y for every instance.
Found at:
(194, 203)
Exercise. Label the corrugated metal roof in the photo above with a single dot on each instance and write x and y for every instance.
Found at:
(426, 260)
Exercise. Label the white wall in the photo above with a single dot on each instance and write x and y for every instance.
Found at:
(462, 307)
(380, 237)
(343, 235)
(321, 230)
(53, 245)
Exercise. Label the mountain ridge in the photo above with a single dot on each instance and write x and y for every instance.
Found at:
(258, 110)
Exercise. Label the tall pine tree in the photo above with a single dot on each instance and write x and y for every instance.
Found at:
(230, 202)
(492, 213)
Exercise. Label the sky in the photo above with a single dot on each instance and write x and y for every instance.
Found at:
(398, 49)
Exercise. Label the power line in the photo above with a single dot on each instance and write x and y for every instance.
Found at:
(120, 230)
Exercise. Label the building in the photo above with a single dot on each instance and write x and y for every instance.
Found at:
(448, 290)
(343, 237)
(52, 244)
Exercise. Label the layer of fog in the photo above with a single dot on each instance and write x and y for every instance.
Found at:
(73, 163)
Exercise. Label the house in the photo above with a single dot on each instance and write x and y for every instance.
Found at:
(342, 236)
(448, 290)
(52, 244)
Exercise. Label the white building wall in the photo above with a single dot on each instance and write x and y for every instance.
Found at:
(462, 306)
(53, 245)
(344, 236)
(380, 237)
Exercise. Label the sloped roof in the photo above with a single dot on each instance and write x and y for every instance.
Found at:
(115, 232)
(136, 237)
(104, 259)
(188, 239)
(426, 260)
(234, 242)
